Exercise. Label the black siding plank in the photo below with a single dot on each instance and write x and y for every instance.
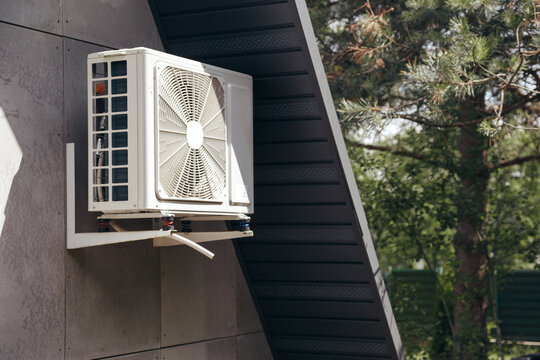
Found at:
(295, 174)
(305, 152)
(299, 194)
(344, 273)
(282, 87)
(302, 214)
(319, 309)
(311, 356)
(227, 20)
(331, 346)
(264, 64)
(286, 109)
(301, 253)
(166, 7)
(225, 45)
(314, 291)
(311, 234)
(325, 327)
(289, 131)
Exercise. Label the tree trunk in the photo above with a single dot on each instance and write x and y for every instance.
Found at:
(470, 339)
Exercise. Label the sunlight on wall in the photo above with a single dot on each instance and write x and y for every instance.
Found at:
(10, 160)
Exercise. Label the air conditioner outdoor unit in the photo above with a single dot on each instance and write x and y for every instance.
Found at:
(168, 134)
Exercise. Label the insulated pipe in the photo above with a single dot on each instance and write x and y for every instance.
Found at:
(192, 245)
(175, 237)
(116, 227)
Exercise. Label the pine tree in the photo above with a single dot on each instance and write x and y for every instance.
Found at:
(461, 78)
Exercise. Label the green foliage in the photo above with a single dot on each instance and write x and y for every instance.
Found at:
(512, 226)
(416, 307)
(456, 82)
(412, 215)
(406, 204)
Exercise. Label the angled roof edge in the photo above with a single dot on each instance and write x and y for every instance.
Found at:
(307, 27)
(313, 214)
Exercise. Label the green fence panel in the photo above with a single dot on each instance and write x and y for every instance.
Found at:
(413, 294)
(519, 306)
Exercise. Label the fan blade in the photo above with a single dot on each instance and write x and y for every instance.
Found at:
(217, 178)
(180, 176)
(216, 149)
(201, 89)
(205, 100)
(168, 117)
(172, 150)
(215, 103)
(168, 90)
(171, 170)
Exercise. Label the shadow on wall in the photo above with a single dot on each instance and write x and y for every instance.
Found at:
(31, 267)
(31, 195)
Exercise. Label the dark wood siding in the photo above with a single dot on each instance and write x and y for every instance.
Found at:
(307, 265)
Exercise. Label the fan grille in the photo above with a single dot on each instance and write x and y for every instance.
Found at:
(188, 171)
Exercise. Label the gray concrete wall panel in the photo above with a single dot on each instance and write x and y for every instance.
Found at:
(253, 346)
(45, 15)
(247, 317)
(223, 349)
(32, 232)
(198, 294)
(103, 301)
(112, 300)
(146, 355)
(117, 24)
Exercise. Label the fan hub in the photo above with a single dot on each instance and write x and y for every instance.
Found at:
(194, 134)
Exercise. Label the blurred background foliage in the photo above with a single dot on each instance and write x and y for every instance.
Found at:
(411, 79)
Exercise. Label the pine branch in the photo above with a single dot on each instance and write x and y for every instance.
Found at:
(399, 152)
(534, 74)
(520, 103)
(521, 127)
(519, 35)
(516, 161)
(508, 84)
(354, 110)
(513, 106)
(424, 121)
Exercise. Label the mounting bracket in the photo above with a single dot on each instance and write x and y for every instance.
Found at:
(161, 237)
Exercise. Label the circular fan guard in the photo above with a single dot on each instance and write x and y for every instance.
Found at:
(187, 172)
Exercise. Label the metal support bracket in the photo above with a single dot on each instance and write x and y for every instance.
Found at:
(200, 236)
(161, 237)
(81, 240)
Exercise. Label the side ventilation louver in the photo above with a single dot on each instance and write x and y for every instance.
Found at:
(109, 131)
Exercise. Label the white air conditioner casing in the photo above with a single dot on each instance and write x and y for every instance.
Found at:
(168, 134)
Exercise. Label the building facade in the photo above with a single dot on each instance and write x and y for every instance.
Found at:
(127, 301)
